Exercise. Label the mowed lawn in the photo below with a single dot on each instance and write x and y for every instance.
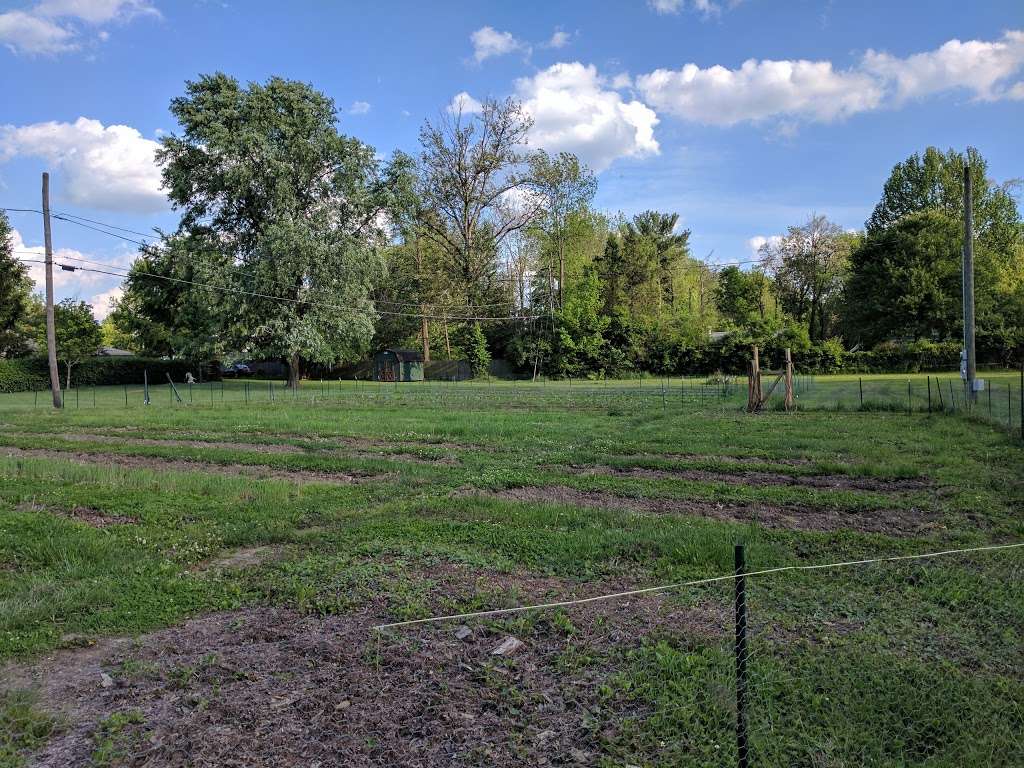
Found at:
(200, 583)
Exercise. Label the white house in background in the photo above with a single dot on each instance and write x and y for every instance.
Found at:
(113, 352)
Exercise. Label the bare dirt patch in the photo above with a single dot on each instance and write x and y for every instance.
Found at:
(889, 521)
(97, 518)
(756, 478)
(725, 459)
(83, 437)
(358, 448)
(272, 687)
(256, 471)
(247, 557)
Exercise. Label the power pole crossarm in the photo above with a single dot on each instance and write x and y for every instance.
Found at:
(51, 330)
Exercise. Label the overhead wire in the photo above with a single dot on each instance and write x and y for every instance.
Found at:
(227, 289)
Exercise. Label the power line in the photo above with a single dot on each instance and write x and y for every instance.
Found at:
(239, 291)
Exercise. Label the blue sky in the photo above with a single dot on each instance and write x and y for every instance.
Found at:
(742, 116)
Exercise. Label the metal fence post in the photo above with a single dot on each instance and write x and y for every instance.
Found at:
(742, 750)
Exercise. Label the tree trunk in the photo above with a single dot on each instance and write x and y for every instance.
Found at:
(447, 342)
(294, 370)
(425, 332)
(67, 383)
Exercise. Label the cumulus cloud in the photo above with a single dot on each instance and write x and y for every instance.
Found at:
(760, 89)
(359, 108)
(110, 167)
(818, 91)
(489, 42)
(98, 290)
(24, 33)
(56, 26)
(574, 110)
(464, 104)
(974, 65)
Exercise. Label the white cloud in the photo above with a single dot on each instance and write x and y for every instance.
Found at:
(359, 108)
(760, 90)
(55, 26)
(707, 7)
(817, 91)
(110, 167)
(463, 103)
(489, 42)
(96, 11)
(975, 65)
(97, 289)
(665, 6)
(24, 33)
(559, 39)
(622, 80)
(103, 303)
(757, 242)
(573, 110)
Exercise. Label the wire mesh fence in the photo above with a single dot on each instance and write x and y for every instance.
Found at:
(915, 662)
(1000, 403)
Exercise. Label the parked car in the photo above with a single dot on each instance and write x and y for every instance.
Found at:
(237, 369)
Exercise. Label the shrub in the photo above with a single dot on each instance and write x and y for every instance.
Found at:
(32, 373)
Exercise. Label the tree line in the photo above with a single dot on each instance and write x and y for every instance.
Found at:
(298, 242)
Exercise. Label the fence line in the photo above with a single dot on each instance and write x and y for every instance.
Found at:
(694, 583)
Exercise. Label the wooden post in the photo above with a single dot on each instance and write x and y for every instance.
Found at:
(51, 327)
(789, 380)
(754, 400)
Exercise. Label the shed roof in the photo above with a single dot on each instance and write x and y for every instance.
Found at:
(406, 355)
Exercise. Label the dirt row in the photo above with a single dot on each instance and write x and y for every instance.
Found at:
(272, 687)
(759, 478)
(894, 522)
(256, 471)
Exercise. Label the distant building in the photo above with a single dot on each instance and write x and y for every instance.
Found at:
(717, 335)
(113, 352)
(398, 365)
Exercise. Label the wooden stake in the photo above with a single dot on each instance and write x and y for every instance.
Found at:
(789, 380)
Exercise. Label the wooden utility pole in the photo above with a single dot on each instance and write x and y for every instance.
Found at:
(51, 329)
(968, 284)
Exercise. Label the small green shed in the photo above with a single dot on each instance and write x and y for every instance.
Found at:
(398, 365)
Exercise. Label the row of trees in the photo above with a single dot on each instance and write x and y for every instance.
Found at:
(300, 243)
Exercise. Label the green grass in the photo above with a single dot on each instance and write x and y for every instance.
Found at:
(856, 667)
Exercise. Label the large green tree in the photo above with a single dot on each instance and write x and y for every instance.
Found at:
(77, 332)
(926, 191)
(15, 293)
(934, 181)
(905, 281)
(566, 187)
(291, 210)
(809, 265)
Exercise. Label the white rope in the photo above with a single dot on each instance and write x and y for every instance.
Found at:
(681, 584)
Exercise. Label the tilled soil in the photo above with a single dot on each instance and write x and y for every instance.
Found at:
(894, 522)
(756, 478)
(354, 448)
(97, 518)
(256, 471)
(272, 687)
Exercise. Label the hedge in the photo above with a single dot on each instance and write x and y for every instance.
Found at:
(25, 374)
